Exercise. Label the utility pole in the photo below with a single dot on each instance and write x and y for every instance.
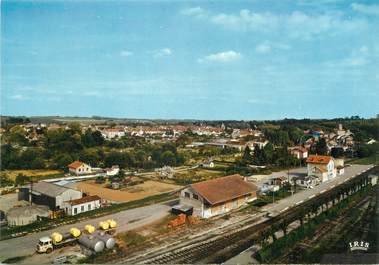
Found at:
(31, 191)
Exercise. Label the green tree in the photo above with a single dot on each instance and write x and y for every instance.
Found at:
(321, 147)
(62, 161)
(168, 158)
(247, 155)
(98, 138)
(21, 179)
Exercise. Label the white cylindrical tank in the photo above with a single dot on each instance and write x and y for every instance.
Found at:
(108, 240)
(92, 242)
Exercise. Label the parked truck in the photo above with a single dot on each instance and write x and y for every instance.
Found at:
(47, 244)
(90, 238)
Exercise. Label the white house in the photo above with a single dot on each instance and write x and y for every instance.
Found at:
(217, 196)
(111, 133)
(372, 141)
(113, 171)
(299, 152)
(82, 205)
(79, 168)
(321, 167)
(208, 164)
(308, 182)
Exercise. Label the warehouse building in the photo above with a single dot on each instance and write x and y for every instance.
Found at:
(216, 196)
(49, 194)
(85, 204)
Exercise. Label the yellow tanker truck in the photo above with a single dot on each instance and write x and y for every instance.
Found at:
(47, 244)
(92, 239)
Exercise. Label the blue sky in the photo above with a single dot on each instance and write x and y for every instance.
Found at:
(190, 59)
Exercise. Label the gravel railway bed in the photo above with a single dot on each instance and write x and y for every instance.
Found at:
(205, 248)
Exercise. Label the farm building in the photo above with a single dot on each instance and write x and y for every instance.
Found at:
(217, 196)
(82, 205)
(79, 168)
(51, 195)
(26, 214)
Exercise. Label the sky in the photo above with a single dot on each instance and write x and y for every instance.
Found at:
(240, 60)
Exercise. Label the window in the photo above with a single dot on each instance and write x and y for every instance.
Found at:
(186, 194)
(75, 210)
(89, 207)
(82, 208)
(195, 196)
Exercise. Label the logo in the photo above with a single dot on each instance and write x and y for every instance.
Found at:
(359, 245)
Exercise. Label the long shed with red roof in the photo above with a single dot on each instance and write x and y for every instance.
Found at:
(218, 196)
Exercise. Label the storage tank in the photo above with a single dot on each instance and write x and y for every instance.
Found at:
(112, 223)
(104, 225)
(92, 242)
(56, 237)
(75, 232)
(89, 229)
(109, 241)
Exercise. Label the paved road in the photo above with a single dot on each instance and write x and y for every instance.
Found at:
(127, 220)
(246, 257)
(299, 197)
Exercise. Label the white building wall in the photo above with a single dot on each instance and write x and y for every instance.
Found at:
(68, 195)
(81, 208)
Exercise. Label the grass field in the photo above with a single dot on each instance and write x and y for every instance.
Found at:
(196, 175)
(367, 160)
(140, 191)
(35, 173)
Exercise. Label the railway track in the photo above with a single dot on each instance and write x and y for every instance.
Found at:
(201, 249)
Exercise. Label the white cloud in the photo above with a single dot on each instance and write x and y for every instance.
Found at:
(194, 11)
(92, 93)
(267, 47)
(357, 58)
(296, 24)
(18, 97)
(263, 48)
(222, 57)
(126, 53)
(162, 52)
(366, 9)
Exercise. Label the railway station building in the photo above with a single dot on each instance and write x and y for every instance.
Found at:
(217, 196)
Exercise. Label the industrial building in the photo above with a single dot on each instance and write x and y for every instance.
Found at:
(217, 196)
(82, 205)
(49, 194)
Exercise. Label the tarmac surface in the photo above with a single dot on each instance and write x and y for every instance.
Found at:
(127, 220)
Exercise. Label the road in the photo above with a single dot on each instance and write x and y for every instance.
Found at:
(300, 197)
(127, 220)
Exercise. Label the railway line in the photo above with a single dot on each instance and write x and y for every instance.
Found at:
(246, 232)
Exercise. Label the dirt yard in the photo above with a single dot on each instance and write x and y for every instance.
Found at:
(140, 191)
(12, 174)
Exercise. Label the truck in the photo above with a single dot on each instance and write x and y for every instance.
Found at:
(94, 240)
(47, 244)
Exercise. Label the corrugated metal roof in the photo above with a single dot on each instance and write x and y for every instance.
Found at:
(48, 189)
